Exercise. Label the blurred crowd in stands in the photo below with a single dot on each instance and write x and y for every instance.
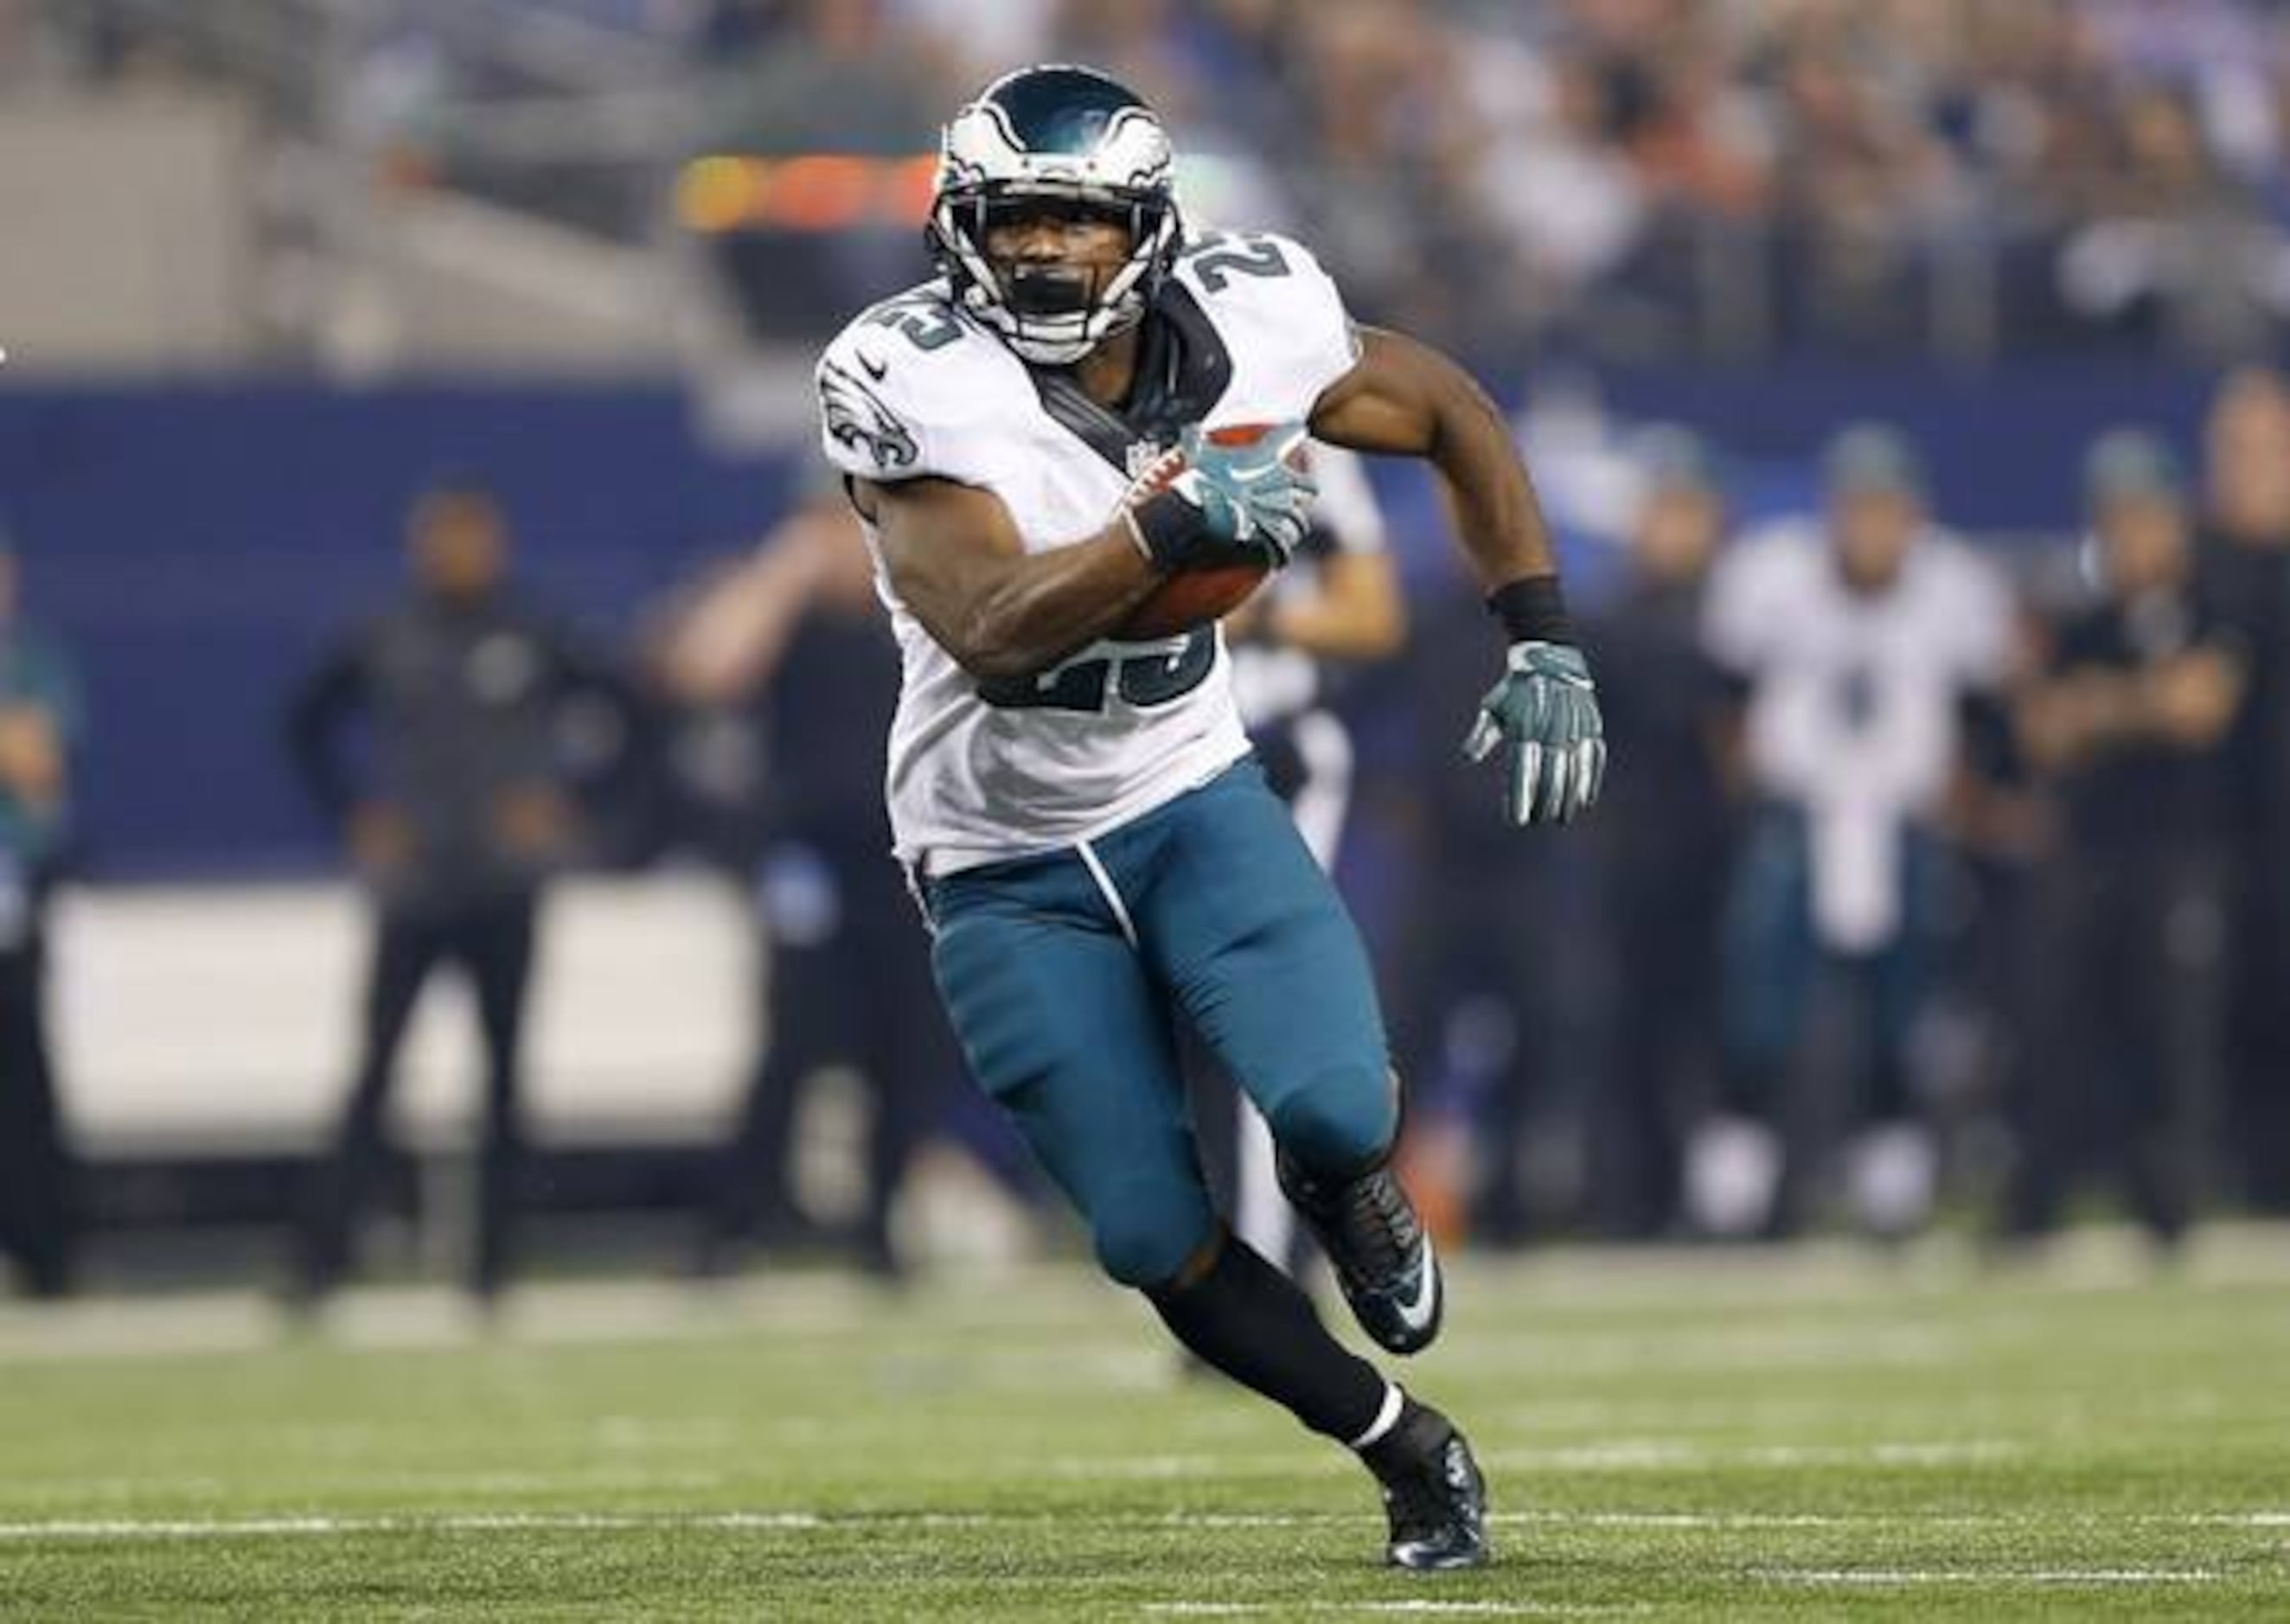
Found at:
(1621, 178)
(1712, 176)
(1704, 176)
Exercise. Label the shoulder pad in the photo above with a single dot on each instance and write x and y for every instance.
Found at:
(1281, 314)
(1217, 264)
(898, 386)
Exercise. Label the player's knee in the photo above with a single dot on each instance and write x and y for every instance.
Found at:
(1145, 1243)
(1340, 1120)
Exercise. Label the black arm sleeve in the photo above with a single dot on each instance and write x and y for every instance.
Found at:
(317, 713)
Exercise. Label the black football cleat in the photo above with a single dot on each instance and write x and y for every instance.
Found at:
(1433, 1494)
(1375, 1243)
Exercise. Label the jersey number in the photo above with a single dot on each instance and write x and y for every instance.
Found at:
(927, 324)
(1141, 680)
(1253, 256)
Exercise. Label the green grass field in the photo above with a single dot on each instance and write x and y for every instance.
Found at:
(1669, 1435)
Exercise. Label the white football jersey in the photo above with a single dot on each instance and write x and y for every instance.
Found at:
(1855, 693)
(1853, 702)
(1248, 329)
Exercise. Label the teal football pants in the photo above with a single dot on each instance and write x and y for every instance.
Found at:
(1064, 975)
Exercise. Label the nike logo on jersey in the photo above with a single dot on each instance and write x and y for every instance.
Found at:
(876, 370)
(1416, 1315)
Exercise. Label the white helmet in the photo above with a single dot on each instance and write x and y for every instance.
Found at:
(1063, 132)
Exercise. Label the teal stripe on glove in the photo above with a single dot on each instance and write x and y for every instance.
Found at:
(1227, 503)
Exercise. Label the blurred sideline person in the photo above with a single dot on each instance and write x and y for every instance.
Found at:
(2007, 826)
(458, 818)
(1097, 852)
(2142, 688)
(1478, 1009)
(40, 725)
(2244, 567)
(1485, 965)
(1664, 843)
(1338, 606)
(1854, 641)
(796, 634)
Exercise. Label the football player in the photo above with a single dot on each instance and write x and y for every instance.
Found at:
(1851, 641)
(1096, 852)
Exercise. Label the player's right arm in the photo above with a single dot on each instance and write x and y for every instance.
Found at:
(956, 561)
(908, 413)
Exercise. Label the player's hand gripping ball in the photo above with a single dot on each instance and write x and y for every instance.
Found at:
(1218, 512)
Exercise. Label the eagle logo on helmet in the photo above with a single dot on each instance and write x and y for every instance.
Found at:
(1063, 132)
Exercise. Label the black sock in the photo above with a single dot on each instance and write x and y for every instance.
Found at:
(1256, 1325)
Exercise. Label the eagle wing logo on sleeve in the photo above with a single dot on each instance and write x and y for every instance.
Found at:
(855, 416)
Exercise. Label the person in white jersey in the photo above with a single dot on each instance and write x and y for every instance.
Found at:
(1854, 638)
(1030, 441)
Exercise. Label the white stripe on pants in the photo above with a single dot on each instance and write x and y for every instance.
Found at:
(1263, 1217)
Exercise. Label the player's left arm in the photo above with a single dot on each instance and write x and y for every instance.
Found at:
(1403, 398)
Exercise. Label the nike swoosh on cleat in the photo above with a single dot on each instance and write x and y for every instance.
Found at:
(1416, 1315)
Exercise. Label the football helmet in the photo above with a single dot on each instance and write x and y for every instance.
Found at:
(1073, 137)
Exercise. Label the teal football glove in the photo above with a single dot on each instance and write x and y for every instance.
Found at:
(1545, 713)
(1225, 502)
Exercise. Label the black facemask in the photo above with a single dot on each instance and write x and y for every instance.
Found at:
(1047, 289)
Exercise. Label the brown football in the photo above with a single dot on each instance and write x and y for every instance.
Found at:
(1195, 597)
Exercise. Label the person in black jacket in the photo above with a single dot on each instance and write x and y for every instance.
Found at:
(2143, 687)
(460, 815)
(1664, 836)
(2242, 568)
(794, 641)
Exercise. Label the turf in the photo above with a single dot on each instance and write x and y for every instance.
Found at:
(1669, 1434)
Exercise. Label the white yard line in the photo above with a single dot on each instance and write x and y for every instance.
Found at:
(100, 1528)
(1882, 1344)
(423, 1319)
(1727, 1521)
(1498, 1609)
(1424, 1605)
(123, 1528)
(1881, 1576)
(1663, 1454)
